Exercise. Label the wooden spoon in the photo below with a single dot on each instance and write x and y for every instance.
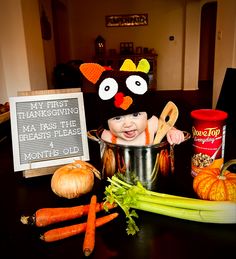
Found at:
(166, 121)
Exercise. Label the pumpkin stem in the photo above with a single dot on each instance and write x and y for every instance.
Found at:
(226, 165)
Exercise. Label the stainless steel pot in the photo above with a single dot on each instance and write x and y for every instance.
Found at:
(144, 163)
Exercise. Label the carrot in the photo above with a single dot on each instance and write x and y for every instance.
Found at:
(89, 239)
(68, 231)
(47, 216)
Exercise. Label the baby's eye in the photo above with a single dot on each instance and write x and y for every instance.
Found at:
(108, 88)
(137, 84)
(117, 118)
(136, 114)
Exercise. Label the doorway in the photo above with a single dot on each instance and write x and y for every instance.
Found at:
(61, 31)
(207, 46)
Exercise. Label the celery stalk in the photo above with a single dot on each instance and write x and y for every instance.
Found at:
(206, 216)
(130, 197)
(195, 204)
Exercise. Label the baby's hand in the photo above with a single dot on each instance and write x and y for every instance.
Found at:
(175, 136)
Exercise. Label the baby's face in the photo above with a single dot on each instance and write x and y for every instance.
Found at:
(128, 127)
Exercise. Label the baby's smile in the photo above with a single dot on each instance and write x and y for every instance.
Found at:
(130, 134)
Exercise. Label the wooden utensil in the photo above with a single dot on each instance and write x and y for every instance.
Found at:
(166, 121)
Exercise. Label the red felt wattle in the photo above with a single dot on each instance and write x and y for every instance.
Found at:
(118, 99)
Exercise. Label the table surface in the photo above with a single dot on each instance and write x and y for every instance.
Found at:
(159, 236)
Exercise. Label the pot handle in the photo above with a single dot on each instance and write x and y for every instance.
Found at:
(92, 134)
(187, 135)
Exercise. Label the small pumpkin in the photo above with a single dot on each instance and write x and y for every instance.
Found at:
(73, 180)
(164, 162)
(216, 184)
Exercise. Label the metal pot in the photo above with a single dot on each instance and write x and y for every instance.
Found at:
(143, 163)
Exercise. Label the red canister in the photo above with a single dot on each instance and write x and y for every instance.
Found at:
(208, 132)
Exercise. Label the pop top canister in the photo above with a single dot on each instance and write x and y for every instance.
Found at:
(208, 132)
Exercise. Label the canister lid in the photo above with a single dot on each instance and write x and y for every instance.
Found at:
(209, 114)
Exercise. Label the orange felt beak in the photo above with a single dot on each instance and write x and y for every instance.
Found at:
(126, 103)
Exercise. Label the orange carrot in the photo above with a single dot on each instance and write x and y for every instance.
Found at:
(89, 239)
(47, 216)
(68, 231)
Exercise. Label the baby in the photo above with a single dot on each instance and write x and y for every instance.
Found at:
(122, 99)
(136, 130)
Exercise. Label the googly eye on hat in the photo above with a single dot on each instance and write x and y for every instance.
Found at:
(120, 92)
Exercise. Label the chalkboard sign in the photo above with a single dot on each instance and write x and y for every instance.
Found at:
(48, 130)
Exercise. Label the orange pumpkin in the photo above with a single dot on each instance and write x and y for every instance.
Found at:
(164, 162)
(215, 184)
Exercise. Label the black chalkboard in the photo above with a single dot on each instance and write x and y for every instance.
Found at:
(48, 130)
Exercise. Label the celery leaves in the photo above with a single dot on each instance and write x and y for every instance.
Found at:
(123, 195)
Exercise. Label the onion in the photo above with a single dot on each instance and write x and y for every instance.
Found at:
(72, 180)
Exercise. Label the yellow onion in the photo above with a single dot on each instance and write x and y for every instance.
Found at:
(73, 180)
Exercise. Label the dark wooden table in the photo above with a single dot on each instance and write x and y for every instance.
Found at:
(160, 237)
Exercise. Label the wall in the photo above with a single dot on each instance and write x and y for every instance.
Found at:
(48, 45)
(225, 43)
(178, 60)
(21, 53)
(34, 44)
(22, 64)
(14, 72)
(191, 45)
(166, 18)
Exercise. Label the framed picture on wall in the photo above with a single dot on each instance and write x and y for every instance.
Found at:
(126, 20)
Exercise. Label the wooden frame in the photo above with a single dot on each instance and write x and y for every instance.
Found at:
(48, 130)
